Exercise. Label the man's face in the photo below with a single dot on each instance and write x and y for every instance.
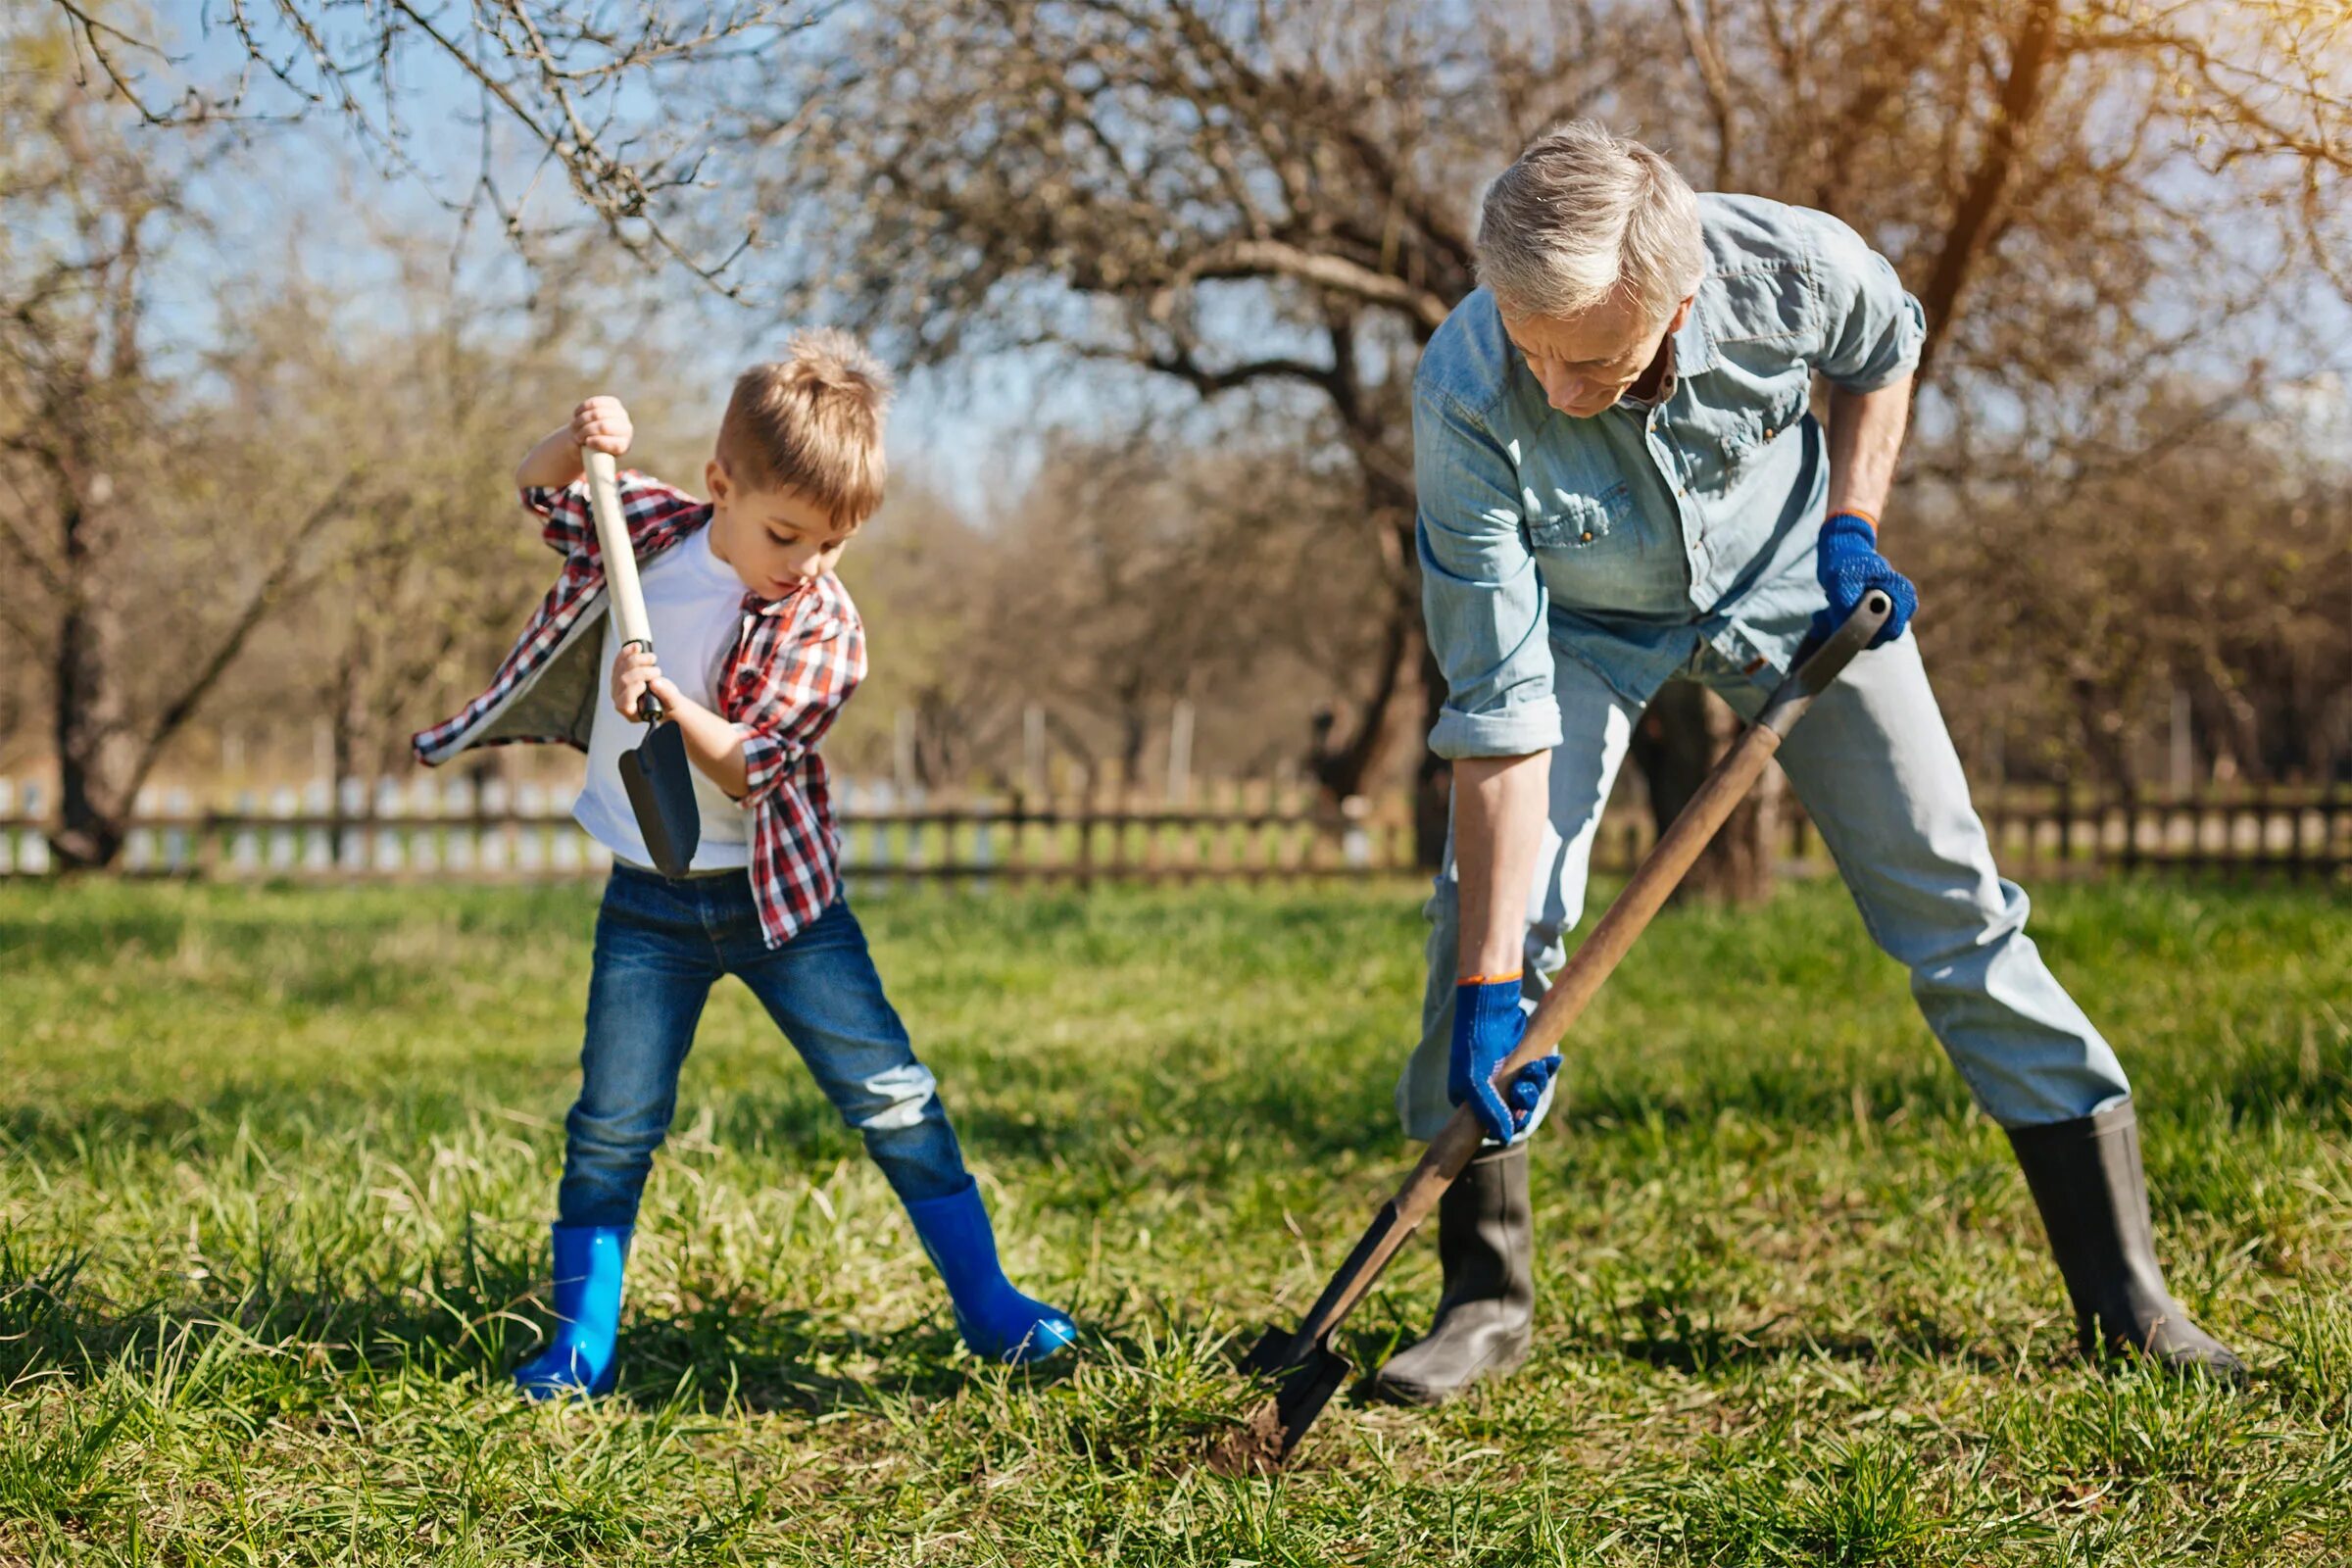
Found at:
(1585, 362)
(776, 540)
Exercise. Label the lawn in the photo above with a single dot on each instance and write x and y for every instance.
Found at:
(276, 1166)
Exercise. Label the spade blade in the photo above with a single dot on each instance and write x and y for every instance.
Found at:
(661, 784)
(1304, 1383)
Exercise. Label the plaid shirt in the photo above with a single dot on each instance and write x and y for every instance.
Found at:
(796, 662)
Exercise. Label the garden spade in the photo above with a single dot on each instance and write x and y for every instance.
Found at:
(656, 773)
(1305, 1369)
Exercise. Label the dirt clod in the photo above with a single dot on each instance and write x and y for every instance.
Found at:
(1256, 1447)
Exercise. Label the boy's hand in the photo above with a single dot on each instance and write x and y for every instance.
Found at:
(634, 674)
(602, 424)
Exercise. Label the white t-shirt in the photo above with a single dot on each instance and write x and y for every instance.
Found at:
(694, 607)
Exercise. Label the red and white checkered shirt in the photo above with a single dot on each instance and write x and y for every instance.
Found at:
(796, 662)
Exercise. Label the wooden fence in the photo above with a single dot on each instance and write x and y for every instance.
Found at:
(450, 827)
(2295, 830)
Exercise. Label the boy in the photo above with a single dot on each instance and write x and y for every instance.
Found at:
(761, 647)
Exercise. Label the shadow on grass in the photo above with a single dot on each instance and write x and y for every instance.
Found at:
(191, 1126)
(754, 1356)
(287, 1349)
(1283, 1109)
(1708, 1352)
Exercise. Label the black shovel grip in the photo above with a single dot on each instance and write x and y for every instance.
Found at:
(1819, 663)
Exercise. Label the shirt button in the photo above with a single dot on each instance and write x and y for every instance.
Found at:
(1768, 432)
(1587, 536)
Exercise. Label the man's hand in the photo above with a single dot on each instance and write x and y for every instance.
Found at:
(1849, 566)
(634, 674)
(602, 424)
(1488, 1022)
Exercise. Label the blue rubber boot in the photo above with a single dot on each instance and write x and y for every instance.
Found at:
(580, 1359)
(996, 1320)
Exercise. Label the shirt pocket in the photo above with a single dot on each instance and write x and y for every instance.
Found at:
(1742, 433)
(1784, 409)
(1568, 523)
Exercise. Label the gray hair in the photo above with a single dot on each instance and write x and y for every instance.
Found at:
(1583, 214)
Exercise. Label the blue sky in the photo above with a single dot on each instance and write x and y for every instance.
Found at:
(968, 432)
(293, 198)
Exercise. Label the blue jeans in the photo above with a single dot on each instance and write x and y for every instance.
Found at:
(660, 944)
(1876, 770)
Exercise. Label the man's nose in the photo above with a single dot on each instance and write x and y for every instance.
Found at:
(1563, 390)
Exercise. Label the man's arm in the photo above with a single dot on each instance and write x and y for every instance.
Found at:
(1486, 613)
(1871, 334)
(1866, 441)
(1485, 606)
(1499, 805)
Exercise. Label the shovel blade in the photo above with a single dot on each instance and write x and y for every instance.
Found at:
(660, 782)
(1305, 1380)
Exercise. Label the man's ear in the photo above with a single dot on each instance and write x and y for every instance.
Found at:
(714, 480)
(1682, 313)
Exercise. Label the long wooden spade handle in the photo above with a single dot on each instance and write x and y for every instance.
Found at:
(1580, 978)
(621, 565)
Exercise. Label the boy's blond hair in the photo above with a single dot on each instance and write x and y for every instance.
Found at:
(811, 424)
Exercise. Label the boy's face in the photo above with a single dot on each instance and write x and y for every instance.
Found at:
(776, 540)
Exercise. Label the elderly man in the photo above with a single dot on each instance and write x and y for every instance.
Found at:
(1620, 483)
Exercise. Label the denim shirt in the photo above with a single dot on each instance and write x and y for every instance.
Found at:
(1628, 539)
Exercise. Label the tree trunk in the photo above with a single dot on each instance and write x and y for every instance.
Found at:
(93, 743)
(1685, 730)
(2023, 93)
(1343, 758)
(350, 719)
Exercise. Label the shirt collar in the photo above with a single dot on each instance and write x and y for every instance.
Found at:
(1691, 350)
(754, 605)
(1694, 339)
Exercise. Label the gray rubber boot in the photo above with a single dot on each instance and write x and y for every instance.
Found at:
(1486, 1244)
(2086, 1180)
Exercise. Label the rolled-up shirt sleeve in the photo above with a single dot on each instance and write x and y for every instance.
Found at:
(1871, 329)
(567, 526)
(793, 698)
(1482, 597)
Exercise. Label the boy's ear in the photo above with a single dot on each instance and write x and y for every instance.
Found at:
(714, 480)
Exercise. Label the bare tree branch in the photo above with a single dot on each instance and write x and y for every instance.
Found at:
(580, 90)
(1717, 83)
(1257, 257)
(2029, 57)
(265, 598)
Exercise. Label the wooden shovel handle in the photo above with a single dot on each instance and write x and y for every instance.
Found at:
(621, 565)
(1580, 978)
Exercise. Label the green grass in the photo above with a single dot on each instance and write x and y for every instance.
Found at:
(276, 1166)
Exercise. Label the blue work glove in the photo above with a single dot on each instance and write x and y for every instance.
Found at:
(1849, 566)
(1487, 1025)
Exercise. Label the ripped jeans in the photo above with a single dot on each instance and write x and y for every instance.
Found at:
(660, 944)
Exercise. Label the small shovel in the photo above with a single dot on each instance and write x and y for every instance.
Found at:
(657, 774)
(1302, 1364)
